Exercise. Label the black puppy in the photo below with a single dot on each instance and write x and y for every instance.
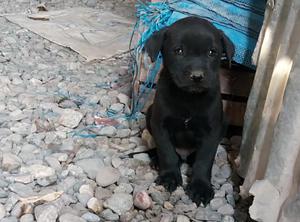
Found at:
(186, 118)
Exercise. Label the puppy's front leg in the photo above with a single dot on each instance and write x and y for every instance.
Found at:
(200, 188)
(169, 171)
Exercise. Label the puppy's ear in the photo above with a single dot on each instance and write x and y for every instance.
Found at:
(154, 44)
(228, 47)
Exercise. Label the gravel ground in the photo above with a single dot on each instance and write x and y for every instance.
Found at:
(50, 169)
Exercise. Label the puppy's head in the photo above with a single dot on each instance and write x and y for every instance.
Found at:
(192, 49)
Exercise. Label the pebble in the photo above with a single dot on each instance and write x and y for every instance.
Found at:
(10, 162)
(109, 215)
(123, 188)
(90, 217)
(70, 218)
(107, 176)
(168, 205)
(2, 211)
(95, 205)
(46, 213)
(207, 214)
(182, 218)
(38, 171)
(167, 218)
(216, 203)
(119, 203)
(227, 218)
(86, 188)
(226, 209)
(90, 166)
(27, 218)
(142, 200)
(70, 118)
(108, 131)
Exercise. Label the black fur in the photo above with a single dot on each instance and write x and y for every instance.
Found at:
(187, 110)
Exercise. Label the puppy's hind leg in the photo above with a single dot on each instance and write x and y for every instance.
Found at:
(148, 119)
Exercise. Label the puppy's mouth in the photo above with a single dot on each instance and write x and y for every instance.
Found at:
(194, 89)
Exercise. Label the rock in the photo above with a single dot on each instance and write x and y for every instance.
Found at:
(46, 213)
(142, 200)
(109, 215)
(225, 171)
(70, 118)
(91, 3)
(157, 197)
(21, 128)
(90, 217)
(230, 199)
(116, 162)
(3, 193)
(167, 218)
(108, 131)
(226, 209)
(27, 218)
(2, 211)
(95, 205)
(123, 188)
(83, 198)
(216, 203)
(227, 218)
(142, 157)
(70, 218)
(123, 99)
(227, 187)
(21, 189)
(46, 181)
(168, 205)
(207, 214)
(11, 201)
(119, 203)
(53, 163)
(10, 162)
(123, 133)
(182, 218)
(90, 166)
(24, 178)
(87, 188)
(38, 171)
(117, 107)
(220, 193)
(107, 176)
(102, 194)
(9, 219)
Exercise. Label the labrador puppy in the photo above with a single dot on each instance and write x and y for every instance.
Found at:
(186, 117)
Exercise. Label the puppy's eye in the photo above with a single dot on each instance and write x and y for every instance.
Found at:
(212, 52)
(178, 51)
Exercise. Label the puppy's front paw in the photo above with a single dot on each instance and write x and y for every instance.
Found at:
(170, 179)
(200, 192)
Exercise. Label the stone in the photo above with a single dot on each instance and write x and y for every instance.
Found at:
(90, 166)
(116, 162)
(227, 218)
(107, 176)
(27, 218)
(142, 200)
(24, 178)
(10, 161)
(21, 189)
(142, 157)
(87, 188)
(226, 209)
(119, 203)
(124, 99)
(216, 203)
(168, 205)
(70, 218)
(83, 198)
(102, 193)
(117, 107)
(95, 205)
(207, 214)
(70, 118)
(38, 171)
(182, 218)
(2, 211)
(123, 133)
(227, 187)
(91, 3)
(166, 218)
(108, 131)
(90, 217)
(46, 213)
(10, 219)
(123, 188)
(109, 215)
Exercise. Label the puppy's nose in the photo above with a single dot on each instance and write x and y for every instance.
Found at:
(197, 76)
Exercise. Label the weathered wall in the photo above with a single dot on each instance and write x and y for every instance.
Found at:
(271, 143)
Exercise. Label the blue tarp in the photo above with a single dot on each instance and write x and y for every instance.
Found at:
(240, 20)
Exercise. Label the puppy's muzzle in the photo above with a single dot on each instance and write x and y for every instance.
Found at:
(197, 76)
